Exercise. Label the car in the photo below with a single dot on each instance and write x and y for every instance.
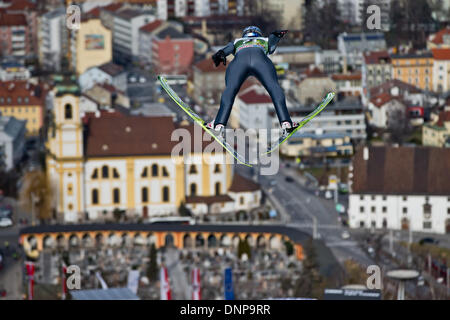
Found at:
(345, 235)
(328, 195)
(428, 240)
(289, 179)
(5, 222)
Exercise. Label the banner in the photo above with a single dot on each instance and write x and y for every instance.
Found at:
(196, 289)
(166, 294)
(30, 273)
(133, 280)
(228, 284)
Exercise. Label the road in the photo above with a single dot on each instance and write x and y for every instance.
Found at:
(303, 206)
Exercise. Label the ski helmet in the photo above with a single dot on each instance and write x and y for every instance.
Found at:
(252, 31)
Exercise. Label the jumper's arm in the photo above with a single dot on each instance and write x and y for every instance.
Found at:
(274, 38)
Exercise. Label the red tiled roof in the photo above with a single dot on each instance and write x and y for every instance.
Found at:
(315, 73)
(111, 68)
(438, 38)
(253, 97)
(9, 20)
(150, 27)
(388, 85)
(441, 54)
(242, 184)
(108, 87)
(342, 77)
(381, 99)
(113, 7)
(444, 116)
(402, 170)
(15, 90)
(375, 56)
(207, 65)
(18, 5)
(94, 13)
(209, 199)
(121, 135)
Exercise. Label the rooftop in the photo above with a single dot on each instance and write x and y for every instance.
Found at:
(173, 33)
(438, 38)
(255, 96)
(111, 68)
(243, 184)
(21, 93)
(9, 20)
(152, 26)
(375, 57)
(209, 199)
(402, 171)
(441, 54)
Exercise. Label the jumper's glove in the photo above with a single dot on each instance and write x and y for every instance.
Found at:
(280, 33)
(219, 57)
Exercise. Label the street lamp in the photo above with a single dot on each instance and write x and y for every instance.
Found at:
(402, 275)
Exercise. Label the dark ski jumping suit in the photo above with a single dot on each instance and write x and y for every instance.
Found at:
(251, 60)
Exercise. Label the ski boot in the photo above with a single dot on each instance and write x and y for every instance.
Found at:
(218, 129)
(287, 127)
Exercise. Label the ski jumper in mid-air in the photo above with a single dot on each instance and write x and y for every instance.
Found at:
(250, 59)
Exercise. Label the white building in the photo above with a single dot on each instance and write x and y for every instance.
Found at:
(110, 73)
(126, 32)
(401, 188)
(52, 37)
(385, 110)
(12, 141)
(199, 8)
(10, 71)
(441, 70)
(352, 47)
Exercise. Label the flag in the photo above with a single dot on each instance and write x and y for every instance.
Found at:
(102, 282)
(196, 289)
(166, 294)
(30, 273)
(133, 280)
(228, 284)
(64, 280)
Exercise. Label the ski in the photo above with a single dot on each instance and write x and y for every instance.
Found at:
(194, 116)
(304, 121)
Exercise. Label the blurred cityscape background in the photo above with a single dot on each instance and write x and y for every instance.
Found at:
(87, 178)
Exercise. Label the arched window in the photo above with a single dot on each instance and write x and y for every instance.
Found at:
(105, 172)
(166, 197)
(193, 169)
(218, 188)
(217, 168)
(115, 174)
(68, 111)
(193, 188)
(95, 199)
(95, 174)
(155, 170)
(144, 194)
(144, 173)
(70, 189)
(116, 195)
(165, 173)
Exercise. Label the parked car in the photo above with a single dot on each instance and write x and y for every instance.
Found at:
(289, 179)
(5, 222)
(345, 235)
(428, 240)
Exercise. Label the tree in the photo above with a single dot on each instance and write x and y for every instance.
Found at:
(152, 270)
(37, 194)
(261, 15)
(311, 284)
(183, 211)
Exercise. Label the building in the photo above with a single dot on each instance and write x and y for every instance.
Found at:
(112, 161)
(437, 134)
(127, 23)
(376, 69)
(12, 70)
(290, 13)
(208, 81)
(295, 56)
(52, 38)
(355, 11)
(401, 188)
(401, 90)
(172, 51)
(24, 101)
(23, 37)
(106, 95)
(14, 35)
(329, 61)
(12, 141)
(440, 39)
(109, 73)
(146, 35)
(313, 87)
(91, 45)
(344, 116)
(386, 110)
(352, 47)
(441, 70)
(318, 145)
(198, 8)
(348, 84)
(414, 68)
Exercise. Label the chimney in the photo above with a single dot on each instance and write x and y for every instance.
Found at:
(366, 153)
